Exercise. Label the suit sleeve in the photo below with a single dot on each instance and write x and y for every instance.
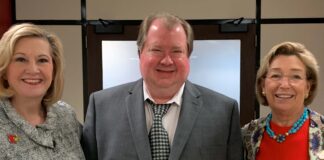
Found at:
(234, 150)
(89, 141)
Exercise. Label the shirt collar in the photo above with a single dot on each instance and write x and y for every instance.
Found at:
(177, 98)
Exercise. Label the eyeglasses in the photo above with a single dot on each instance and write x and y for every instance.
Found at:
(175, 53)
(292, 78)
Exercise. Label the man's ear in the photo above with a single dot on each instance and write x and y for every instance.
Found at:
(138, 52)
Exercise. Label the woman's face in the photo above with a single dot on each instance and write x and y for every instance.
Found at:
(30, 71)
(286, 85)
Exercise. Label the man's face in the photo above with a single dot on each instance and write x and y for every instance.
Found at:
(164, 60)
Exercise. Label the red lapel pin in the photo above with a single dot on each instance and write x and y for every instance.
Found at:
(12, 138)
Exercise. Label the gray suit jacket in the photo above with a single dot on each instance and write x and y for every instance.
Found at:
(115, 125)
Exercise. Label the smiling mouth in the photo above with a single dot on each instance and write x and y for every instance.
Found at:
(32, 81)
(165, 71)
(284, 96)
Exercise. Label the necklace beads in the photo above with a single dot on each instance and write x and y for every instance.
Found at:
(296, 126)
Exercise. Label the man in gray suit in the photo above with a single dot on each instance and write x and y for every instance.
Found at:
(199, 123)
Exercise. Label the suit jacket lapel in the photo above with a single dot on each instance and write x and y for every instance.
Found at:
(191, 106)
(137, 120)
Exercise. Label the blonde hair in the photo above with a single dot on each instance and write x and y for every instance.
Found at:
(7, 47)
(289, 49)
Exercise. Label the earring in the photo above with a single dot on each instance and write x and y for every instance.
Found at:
(263, 93)
(306, 96)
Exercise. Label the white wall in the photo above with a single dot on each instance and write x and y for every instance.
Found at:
(189, 9)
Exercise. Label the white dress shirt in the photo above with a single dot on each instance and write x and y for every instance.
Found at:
(170, 119)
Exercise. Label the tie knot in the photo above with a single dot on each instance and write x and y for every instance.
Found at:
(159, 109)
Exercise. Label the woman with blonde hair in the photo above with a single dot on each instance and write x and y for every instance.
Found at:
(287, 81)
(34, 123)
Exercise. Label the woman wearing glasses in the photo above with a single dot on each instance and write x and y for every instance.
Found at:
(287, 82)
